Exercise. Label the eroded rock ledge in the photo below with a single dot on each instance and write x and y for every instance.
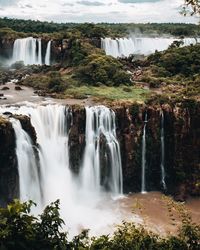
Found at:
(9, 177)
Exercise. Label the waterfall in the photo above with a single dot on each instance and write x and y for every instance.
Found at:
(48, 54)
(29, 181)
(50, 123)
(143, 177)
(124, 47)
(28, 50)
(79, 207)
(162, 165)
(100, 121)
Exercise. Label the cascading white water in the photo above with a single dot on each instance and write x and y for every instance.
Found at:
(80, 208)
(28, 50)
(39, 61)
(124, 47)
(143, 176)
(162, 165)
(29, 181)
(100, 121)
(48, 54)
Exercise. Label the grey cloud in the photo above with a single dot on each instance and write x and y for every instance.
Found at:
(68, 4)
(88, 3)
(29, 6)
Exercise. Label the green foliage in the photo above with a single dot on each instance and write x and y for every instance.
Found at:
(185, 60)
(108, 93)
(90, 30)
(20, 230)
(77, 53)
(102, 69)
(10, 33)
(55, 83)
(194, 4)
(17, 65)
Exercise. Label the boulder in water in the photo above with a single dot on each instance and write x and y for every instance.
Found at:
(5, 88)
(18, 88)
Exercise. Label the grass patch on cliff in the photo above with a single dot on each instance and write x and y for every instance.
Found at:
(130, 93)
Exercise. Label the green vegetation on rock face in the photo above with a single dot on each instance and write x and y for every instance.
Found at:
(174, 61)
(101, 69)
(20, 230)
(175, 73)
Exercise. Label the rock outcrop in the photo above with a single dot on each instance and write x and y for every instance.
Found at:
(9, 184)
(9, 177)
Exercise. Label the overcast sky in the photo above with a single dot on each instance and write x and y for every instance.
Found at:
(95, 10)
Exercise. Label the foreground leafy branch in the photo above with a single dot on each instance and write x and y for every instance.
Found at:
(195, 6)
(20, 230)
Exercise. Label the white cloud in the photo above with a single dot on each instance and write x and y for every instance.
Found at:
(96, 10)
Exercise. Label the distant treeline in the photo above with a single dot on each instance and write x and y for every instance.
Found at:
(101, 29)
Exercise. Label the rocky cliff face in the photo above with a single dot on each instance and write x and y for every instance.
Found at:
(6, 47)
(9, 178)
(8, 163)
(182, 143)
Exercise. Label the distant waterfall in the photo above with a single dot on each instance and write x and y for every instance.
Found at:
(28, 50)
(48, 54)
(143, 176)
(162, 165)
(28, 169)
(100, 121)
(124, 47)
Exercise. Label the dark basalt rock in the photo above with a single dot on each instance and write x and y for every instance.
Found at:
(18, 88)
(27, 126)
(182, 143)
(9, 179)
(9, 184)
(5, 88)
(77, 138)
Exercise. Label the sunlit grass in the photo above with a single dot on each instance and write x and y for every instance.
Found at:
(110, 93)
